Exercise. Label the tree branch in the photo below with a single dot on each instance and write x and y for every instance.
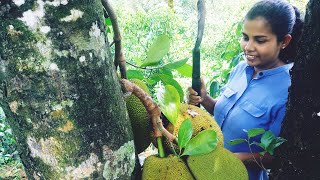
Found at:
(119, 59)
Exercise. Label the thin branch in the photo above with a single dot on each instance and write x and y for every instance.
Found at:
(118, 56)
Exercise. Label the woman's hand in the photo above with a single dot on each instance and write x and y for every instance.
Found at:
(194, 98)
(205, 100)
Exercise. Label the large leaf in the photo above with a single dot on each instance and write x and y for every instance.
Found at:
(255, 132)
(204, 142)
(157, 51)
(267, 139)
(134, 74)
(185, 133)
(169, 101)
(177, 64)
(185, 70)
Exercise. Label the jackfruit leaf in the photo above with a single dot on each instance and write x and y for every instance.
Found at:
(275, 143)
(185, 70)
(157, 51)
(166, 71)
(176, 64)
(134, 74)
(236, 141)
(185, 133)
(169, 101)
(167, 80)
(255, 132)
(203, 143)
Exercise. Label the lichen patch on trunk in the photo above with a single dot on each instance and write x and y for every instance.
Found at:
(85, 169)
(117, 161)
(74, 16)
(45, 149)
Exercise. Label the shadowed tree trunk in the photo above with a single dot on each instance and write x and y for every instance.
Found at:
(60, 92)
(301, 153)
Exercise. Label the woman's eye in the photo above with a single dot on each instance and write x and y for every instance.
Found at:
(245, 38)
(260, 41)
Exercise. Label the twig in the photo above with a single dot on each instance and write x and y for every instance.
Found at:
(118, 56)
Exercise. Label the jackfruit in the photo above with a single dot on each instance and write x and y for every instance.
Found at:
(139, 118)
(201, 120)
(216, 165)
(168, 168)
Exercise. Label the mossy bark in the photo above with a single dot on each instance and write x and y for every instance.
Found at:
(300, 155)
(60, 91)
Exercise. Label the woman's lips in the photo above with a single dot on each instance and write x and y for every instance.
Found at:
(250, 57)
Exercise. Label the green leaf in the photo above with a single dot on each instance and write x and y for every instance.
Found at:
(134, 74)
(255, 132)
(267, 139)
(108, 21)
(214, 89)
(185, 133)
(166, 71)
(167, 80)
(169, 101)
(157, 51)
(236, 141)
(185, 70)
(176, 64)
(204, 142)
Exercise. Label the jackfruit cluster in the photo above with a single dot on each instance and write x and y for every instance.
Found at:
(217, 165)
(168, 168)
(139, 118)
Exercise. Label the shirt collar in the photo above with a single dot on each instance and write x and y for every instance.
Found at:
(272, 71)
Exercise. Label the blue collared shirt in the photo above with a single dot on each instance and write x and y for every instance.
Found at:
(246, 103)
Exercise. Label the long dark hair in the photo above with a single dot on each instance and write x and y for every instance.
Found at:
(283, 19)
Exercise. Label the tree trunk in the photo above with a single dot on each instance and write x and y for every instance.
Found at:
(301, 153)
(60, 92)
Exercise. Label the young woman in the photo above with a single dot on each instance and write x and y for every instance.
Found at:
(256, 93)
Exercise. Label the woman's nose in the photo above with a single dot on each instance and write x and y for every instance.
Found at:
(249, 46)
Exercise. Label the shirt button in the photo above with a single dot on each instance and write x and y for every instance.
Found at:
(260, 73)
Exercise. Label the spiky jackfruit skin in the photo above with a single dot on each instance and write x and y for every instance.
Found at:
(168, 168)
(201, 120)
(139, 118)
(216, 165)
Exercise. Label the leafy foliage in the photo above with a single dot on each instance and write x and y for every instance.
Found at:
(8, 151)
(268, 141)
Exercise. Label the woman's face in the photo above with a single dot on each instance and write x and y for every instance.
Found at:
(260, 45)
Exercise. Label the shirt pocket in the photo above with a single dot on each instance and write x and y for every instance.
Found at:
(253, 109)
(227, 92)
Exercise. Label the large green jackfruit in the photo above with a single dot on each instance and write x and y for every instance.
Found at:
(168, 168)
(217, 165)
(139, 118)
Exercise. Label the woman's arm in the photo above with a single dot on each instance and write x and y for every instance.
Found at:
(256, 160)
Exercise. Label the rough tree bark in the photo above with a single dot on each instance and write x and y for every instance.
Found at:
(301, 153)
(60, 91)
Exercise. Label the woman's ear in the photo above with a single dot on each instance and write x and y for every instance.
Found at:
(286, 40)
